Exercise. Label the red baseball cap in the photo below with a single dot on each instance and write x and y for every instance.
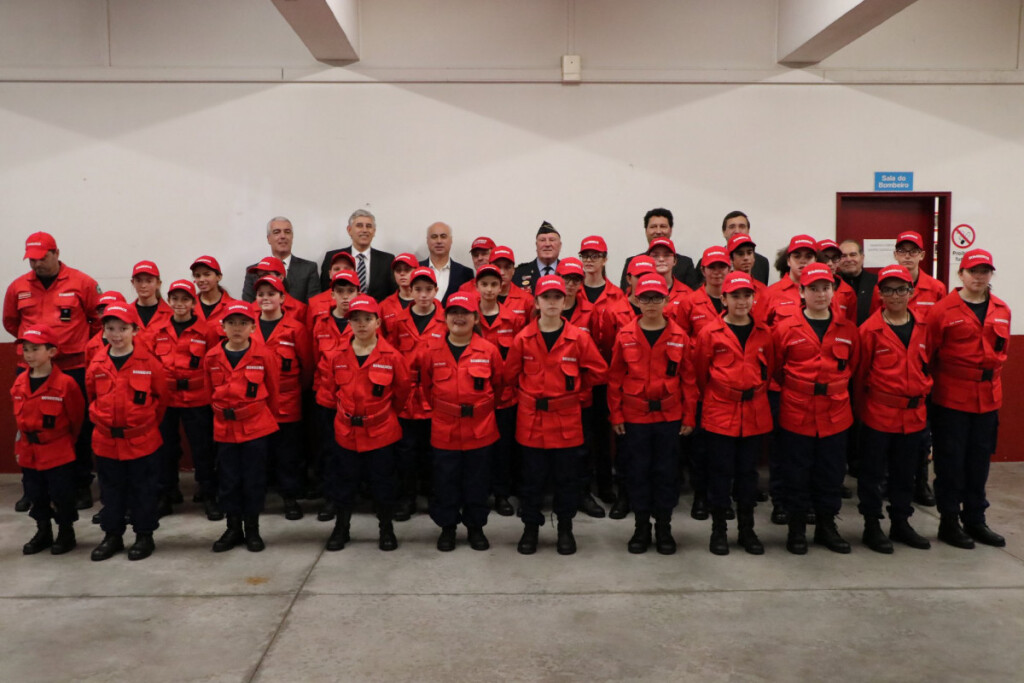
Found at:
(714, 255)
(549, 283)
(343, 255)
(209, 262)
(499, 253)
(816, 272)
(407, 259)
(38, 245)
(977, 257)
(738, 240)
(822, 245)
(241, 308)
(146, 268)
(270, 264)
(38, 334)
(182, 286)
(894, 271)
(593, 243)
(120, 312)
(736, 281)
(801, 242)
(661, 242)
(271, 280)
(651, 283)
(912, 237)
(423, 272)
(467, 301)
(110, 297)
(363, 304)
(485, 243)
(570, 266)
(640, 264)
(488, 269)
(345, 277)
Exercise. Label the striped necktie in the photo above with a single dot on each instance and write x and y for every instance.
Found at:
(361, 271)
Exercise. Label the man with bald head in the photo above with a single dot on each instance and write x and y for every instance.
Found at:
(450, 275)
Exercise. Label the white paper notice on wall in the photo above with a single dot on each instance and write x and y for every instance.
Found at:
(879, 253)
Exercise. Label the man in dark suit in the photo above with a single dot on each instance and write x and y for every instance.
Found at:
(658, 223)
(301, 279)
(737, 221)
(549, 246)
(450, 275)
(851, 269)
(373, 266)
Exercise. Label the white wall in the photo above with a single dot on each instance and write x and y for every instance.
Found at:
(123, 171)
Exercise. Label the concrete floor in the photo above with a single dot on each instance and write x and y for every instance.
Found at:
(297, 613)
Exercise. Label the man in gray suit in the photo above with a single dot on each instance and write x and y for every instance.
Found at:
(302, 280)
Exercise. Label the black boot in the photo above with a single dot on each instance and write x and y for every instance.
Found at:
(951, 533)
(232, 537)
(387, 540)
(875, 538)
(42, 540)
(503, 507)
(405, 510)
(446, 541)
(780, 515)
(528, 541)
(590, 507)
(292, 509)
(748, 540)
(340, 536)
(108, 547)
(699, 509)
(641, 539)
(621, 506)
(65, 541)
(23, 504)
(826, 534)
(982, 534)
(796, 540)
(327, 512)
(719, 544)
(212, 510)
(663, 541)
(477, 539)
(923, 494)
(253, 541)
(143, 546)
(900, 531)
(566, 543)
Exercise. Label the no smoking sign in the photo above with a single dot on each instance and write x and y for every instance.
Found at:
(962, 236)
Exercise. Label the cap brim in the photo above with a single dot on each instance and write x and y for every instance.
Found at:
(35, 253)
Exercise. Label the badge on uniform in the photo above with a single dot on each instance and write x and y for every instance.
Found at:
(286, 364)
(65, 315)
(251, 389)
(140, 398)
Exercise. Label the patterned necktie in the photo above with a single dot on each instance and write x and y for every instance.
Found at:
(361, 271)
(547, 270)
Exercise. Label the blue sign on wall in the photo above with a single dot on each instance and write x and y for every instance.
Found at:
(894, 181)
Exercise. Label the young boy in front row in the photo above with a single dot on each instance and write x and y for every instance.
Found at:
(243, 378)
(48, 410)
(127, 399)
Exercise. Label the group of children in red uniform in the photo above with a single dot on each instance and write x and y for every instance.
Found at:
(494, 394)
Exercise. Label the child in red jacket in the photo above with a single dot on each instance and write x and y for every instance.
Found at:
(243, 378)
(370, 381)
(48, 411)
(127, 391)
(462, 379)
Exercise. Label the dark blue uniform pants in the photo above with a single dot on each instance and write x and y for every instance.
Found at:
(324, 425)
(129, 485)
(563, 466)
(964, 444)
(652, 477)
(502, 453)
(887, 457)
(242, 476)
(347, 468)
(285, 445)
(776, 464)
(198, 425)
(813, 472)
(732, 469)
(414, 454)
(461, 481)
(55, 485)
(598, 464)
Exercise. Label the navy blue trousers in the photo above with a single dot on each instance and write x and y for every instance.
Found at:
(129, 485)
(347, 468)
(198, 425)
(503, 452)
(414, 453)
(562, 465)
(652, 477)
(461, 482)
(55, 485)
(242, 476)
(964, 444)
(892, 458)
(732, 469)
(285, 446)
(813, 472)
